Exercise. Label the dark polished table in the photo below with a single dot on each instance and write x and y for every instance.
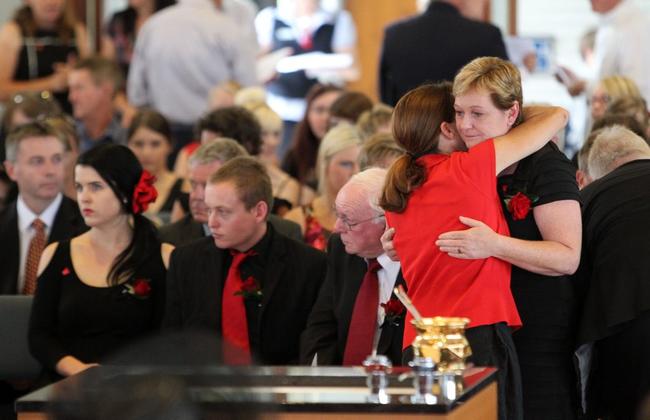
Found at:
(282, 392)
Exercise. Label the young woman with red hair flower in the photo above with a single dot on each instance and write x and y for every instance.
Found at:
(105, 287)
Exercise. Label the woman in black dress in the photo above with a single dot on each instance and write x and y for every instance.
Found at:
(100, 290)
(540, 200)
(39, 46)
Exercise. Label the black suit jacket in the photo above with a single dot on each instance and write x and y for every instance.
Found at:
(293, 275)
(327, 327)
(67, 224)
(188, 230)
(432, 47)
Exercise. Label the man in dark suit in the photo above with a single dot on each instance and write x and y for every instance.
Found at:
(204, 162)
(247, 283)
(35, 154)
(433, 46)
(613, 275)
(337, 321)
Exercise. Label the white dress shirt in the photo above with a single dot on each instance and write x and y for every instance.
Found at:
(621, 45)
(26, 232)
(185, 50)
(387, 276)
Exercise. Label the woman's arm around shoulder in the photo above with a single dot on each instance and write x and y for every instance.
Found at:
(540, 125)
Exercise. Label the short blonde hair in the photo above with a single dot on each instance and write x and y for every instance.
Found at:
(339, 138)
(617, 87)
(371, 121)
(268, 119)
(500, 78)
(613, 145)
(377, 149)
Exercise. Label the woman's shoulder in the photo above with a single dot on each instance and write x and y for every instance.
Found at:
(11, 34)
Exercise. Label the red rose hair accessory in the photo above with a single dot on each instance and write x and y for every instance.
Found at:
(144, 193)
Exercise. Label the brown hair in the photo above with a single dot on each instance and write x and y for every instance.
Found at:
(102, 70)
(153, 120)
(350, 106)
(250, 179)
(416, 128)
(371, 121)
(305, 143)
(29, 130)
(65, 26)
(234, 122)
(626, 120)
(500, 78)
(634, 106)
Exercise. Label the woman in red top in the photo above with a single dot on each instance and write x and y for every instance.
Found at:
(425, 192)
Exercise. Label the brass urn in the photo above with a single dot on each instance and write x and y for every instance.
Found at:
(443, 340)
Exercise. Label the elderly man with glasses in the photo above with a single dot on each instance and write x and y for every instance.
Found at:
(356, 312)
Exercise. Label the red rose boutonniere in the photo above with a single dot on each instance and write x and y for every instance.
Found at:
(144, 193)
(140, 288)
(393, 310)
(519, 205)
(250, 289)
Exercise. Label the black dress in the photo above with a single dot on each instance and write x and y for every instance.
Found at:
(70, 317)
(546, 304)
(38, 55)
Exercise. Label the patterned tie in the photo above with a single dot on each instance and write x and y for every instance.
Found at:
(34, 252)
(361, 333)
(233, 315)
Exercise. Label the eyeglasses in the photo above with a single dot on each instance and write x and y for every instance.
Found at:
(349, 225)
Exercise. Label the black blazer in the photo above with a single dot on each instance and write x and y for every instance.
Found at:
(327, 327)
(68, 223)
(432, 47)
(293, 276)
(188, 230)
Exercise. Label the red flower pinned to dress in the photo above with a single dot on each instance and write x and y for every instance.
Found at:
(250, 289)
(519, 206)
(140, 288)
(65, 271)
(393, 310)
(144, 193)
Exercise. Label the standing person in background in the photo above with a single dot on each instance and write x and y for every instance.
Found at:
(620, 46)
(454, 37)
(300, 160)
(181, 53)
(118, 42)
(106, 287)
(122, 29)
(304, 27)
(39, 46)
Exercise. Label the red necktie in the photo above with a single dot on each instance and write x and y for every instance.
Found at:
(233, 315)
(34, 252)
(361, 333)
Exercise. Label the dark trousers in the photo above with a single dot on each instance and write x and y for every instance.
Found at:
(288, 128)
(492, 346)
(620, 375)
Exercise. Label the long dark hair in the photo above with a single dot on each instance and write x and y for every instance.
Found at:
(119, 167)
(305, 143)
(416, 127)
